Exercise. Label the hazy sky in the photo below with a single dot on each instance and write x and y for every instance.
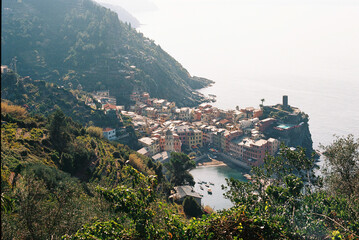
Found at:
(304, 35)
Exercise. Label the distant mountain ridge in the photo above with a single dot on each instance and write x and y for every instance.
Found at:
(79, 42)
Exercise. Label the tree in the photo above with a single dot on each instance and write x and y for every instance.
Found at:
(191, 207)
(179, 166)
(286, 194)
(342, 166)
(262, 100)
(46, 205)
(58, 135)
(277, 189)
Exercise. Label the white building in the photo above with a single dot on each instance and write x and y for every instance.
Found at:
(109, 133)
(4, 69)
(151, 143)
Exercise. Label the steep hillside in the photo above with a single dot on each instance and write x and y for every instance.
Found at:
(50, 169)
(62, 181)
(60, 142)
(44, 98)
(81, 42)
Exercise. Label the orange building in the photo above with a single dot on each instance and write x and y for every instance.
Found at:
(257, 113)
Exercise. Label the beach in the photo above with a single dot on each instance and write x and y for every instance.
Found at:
(212, 163)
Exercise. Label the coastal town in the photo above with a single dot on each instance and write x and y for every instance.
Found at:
(241, 136)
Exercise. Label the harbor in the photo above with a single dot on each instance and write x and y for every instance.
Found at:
(209, 180)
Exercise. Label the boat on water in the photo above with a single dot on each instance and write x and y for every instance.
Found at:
(211, 183)
(247, 176)
(209, 190)
(201, 187)
(207, 185)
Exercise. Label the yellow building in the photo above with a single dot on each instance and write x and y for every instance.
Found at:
(195, 139)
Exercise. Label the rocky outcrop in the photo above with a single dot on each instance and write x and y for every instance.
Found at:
(292, 127)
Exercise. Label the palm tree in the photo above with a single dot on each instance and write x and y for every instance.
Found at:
(262, 100)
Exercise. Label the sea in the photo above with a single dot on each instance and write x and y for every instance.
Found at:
(255, 49)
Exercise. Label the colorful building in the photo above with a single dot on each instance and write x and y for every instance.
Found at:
(189, 137)
(254, 151)
(264, 124)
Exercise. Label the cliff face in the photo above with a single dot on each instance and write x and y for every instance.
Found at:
(71, 42)
(301, 137)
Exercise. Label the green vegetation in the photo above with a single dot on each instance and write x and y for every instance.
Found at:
(286, 194)
(179, 166)
(94, 132)
(50, 169)
(341, 170)
(60, 179)
(44, 98)
(80, 42)
(192, 208)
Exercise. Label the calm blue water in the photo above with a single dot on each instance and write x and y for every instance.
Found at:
(216, 175)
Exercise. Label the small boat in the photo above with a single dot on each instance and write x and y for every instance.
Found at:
(209, 190)
(199, 182)
(201, 187)
(247, 176)
(207, 185)
(201, 195)
(211, 183)
(204, 182)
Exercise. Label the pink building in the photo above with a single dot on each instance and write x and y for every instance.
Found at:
(177, 145)
(265, 124)
(254, 152)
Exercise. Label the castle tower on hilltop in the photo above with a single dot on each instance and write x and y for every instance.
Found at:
(285, 102)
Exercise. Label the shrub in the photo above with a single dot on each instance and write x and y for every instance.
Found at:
(94, 132)
(13, 110)
(191, 207)
(137, 162)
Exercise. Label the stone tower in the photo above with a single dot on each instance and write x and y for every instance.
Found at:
(285, 102)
